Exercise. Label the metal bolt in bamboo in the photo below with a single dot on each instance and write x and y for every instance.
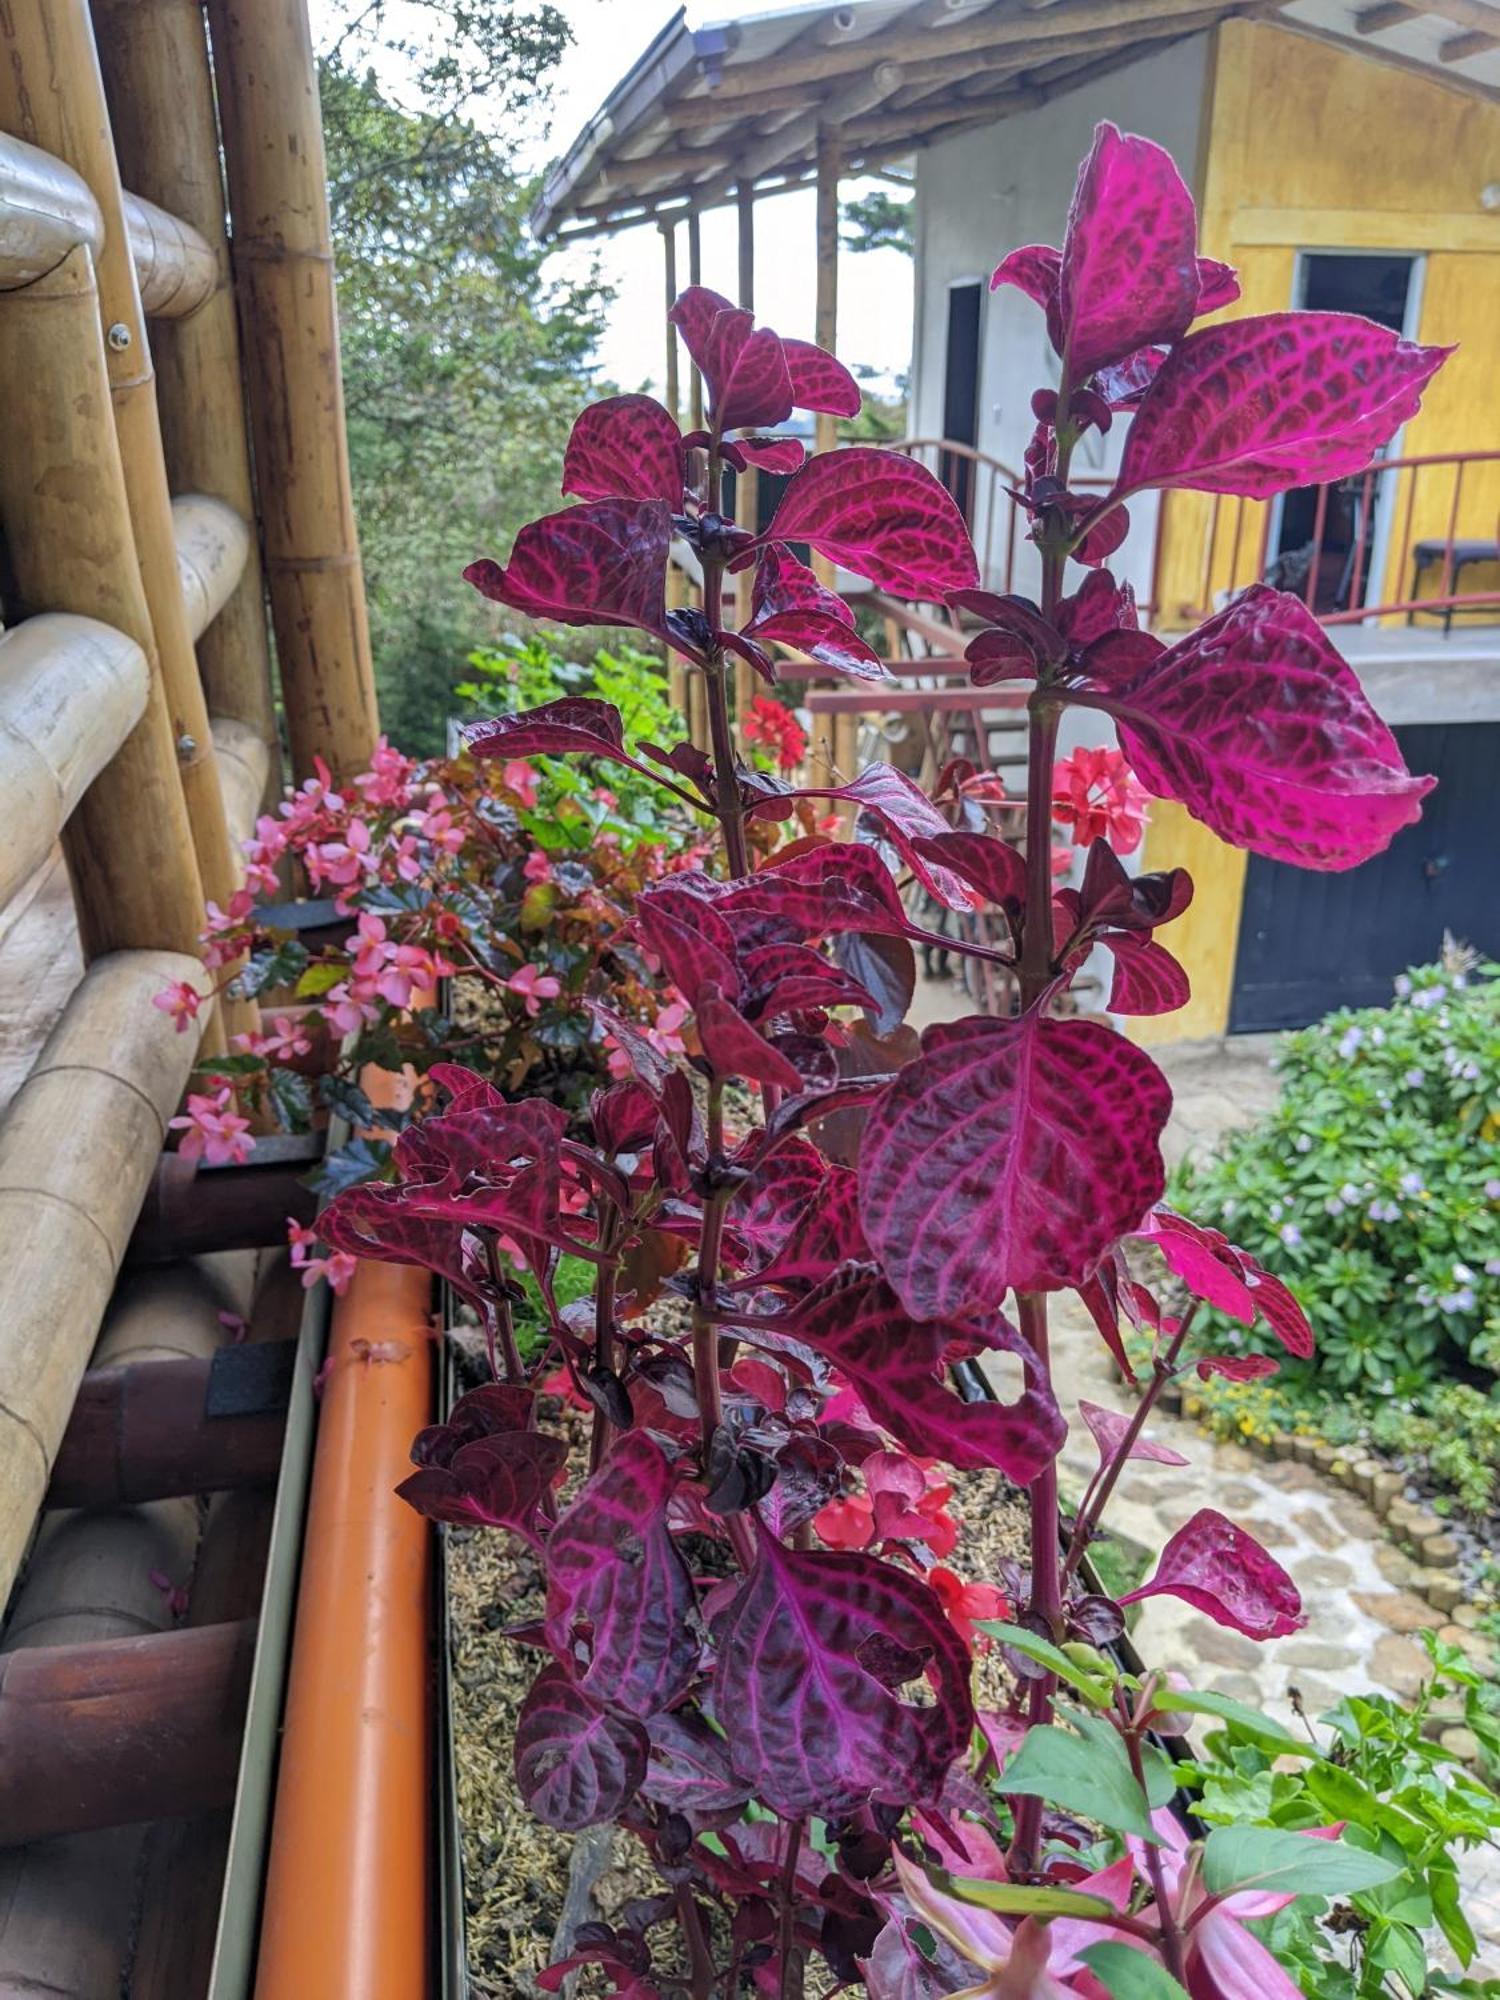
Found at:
(283, 264)
(52, 94)
(159, 83)
(65, 516)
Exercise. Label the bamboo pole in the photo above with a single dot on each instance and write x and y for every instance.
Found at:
(175, 269)
(65, 516)
(213, 547)
(695, 277)
(161, 94)
(71, 691)
(45, 211)
(283, 262)
(747, 483)
(844, 746)
(52, 93)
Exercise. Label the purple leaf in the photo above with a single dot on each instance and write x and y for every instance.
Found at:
(602, 563)
(1129, 270)
(744, 367)
(372, 1220)
(905, 814)
(619, 1597)
(1259, 405)
(883, 516)
(1011, 1153)
(1228, 1278)
(783, 978)
(691, 939)
(689, 1769)
(493, 1482)
(1218, 285)
(894, 1364)
(815, 1731)
(770, 454)
(576, 1764)
(625, 447)
(577, 725)
(791, 608)
(1148, 980)
(824, 891)
(1109, 1428)
(1258, 727)
(823, 1234)
(1219, 1569)
(1237, 1367)
(1035, 269)
(488, 1411)
(990, 866)
(734, 1049)
(819, 382)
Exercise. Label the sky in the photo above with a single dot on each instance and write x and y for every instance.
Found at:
(875, 288)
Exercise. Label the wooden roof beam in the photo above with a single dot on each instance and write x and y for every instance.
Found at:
(1473, 15)
(1477, 42)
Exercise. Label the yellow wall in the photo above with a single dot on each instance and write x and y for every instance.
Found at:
(1306, 146)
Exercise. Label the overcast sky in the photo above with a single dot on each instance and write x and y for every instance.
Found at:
(875, 289)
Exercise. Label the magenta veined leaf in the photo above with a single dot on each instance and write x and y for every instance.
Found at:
(906, 816)
(807, 1653)
(1259, 405)
(883, 516)
(822, 892)
(601, 563)
(1228, 1278)
(990, 866)
(791, 608)
(492, 1482)
(769, 454)
(1108, 1429)
(1237, 1367)
(689, 1769)
(577, 725)
(1220, 1569)
(1258, 727)
(744, 366)
(894, 1365)
(820, 382)
(625, 447)
(1010, 1153)
(1129, 270)
(694, 944)
(576, 1764)
(620, 1603)
(734, 1049)
(1147, 979)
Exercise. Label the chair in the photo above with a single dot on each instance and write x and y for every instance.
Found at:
(1454, 557)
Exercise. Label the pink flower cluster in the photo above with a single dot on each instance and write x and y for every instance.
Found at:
(212, 1130)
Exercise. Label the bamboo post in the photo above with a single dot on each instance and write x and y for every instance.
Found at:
(52, 94)
(677, 678)
(695, 277)
(161, 95)
(66, 520)
(283, 265)
(747, 483)
(844, 730)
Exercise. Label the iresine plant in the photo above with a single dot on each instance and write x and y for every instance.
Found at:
(790, 1727)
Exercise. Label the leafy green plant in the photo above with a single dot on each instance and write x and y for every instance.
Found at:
(1373, 1188)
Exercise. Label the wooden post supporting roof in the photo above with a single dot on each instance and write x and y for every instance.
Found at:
(52, 94)
(283, 263)
(156, 72)
(695, 277)
(747, 483)
(844, 745)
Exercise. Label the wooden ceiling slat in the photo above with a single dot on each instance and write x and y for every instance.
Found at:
(1474, 15)
(1477, 42)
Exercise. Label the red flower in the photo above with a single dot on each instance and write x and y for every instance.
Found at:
(1097, 794)
(771, 724)
(963, 1603)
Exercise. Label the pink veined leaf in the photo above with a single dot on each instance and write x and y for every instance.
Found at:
(771, 454)
(1238, 1367)
(1148, 980)
(905, 814)
(1129, 268)
(620, 1606)
(824, 1234)
(467, 1089)
(1109, 1427)
(806, 1655)
(1218, 285)
(1119, 656)
(744, 367)
(1260, 729)
(487, 1411)
(1010, 1153)
(694, 944)
(1219, 1569)
(1259, 405)
(1123, 383)
(601, 563)
(819, 381)
(577, 725)
(768, 1205)
(782, 978)
(822, 892)
(576, 1764)
(894, 1365)
(371, 1220)
(625, 447)
(989, 865)
(883, 516)
(493, 1482)
(1035, 269)
(791, 608)
(732, 1047)
(689, 1769)
(1228, 1278)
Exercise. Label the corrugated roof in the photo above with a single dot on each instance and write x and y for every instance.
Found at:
(704, 109)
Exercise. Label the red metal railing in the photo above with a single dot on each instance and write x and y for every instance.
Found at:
(1372, 541)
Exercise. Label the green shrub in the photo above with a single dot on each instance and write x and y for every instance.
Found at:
(1373, 1188)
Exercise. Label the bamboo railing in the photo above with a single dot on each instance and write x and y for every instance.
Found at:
(139, 729)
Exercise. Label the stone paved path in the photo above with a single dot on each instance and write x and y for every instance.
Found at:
(1360, 1620)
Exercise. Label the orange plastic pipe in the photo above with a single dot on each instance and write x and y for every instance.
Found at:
(348, 1889)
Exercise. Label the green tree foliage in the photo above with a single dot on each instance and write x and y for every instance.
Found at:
(878, 221)
(462, 366)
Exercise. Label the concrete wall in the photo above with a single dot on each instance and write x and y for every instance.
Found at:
(983, 194)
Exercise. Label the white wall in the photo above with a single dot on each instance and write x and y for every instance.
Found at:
(982, 195)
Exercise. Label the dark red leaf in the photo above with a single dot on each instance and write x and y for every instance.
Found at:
(819, 382)
(824, 891)
(988, 865)
(1218, 285)
(883, 516)
(744, 367)
(1219, 1569)
(1129, 270)
(1228, 1278)
(494, 1482)
(625, 447)
(734, 1049)
(577, 725)
(771, 454)
(576, 1764)
(1259, 405)
(601, 563)
(783, 978)
(792, 608)
(1011, 1153)
(814, 1730)
(620, 1604)
(1148, 980)
(1260, 729)
(689, 1769)
(1109, 1427)
(1237, 1367)
(905, 814)
(690, 938)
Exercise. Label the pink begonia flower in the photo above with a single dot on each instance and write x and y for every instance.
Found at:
(281, 1043)
(519, 777)
(664, 1035)
(346, 1011)
(606, 798)
(343, 862)
(220, 937)
(212, 1131)
(412, 970)
(537, 867)
(181, 1001)
(1222, 1960)
(406, 858)
(337, 1266)
(533, 986)
(438, 827)
(1096, 793)
(386, 781)
(372, 947)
